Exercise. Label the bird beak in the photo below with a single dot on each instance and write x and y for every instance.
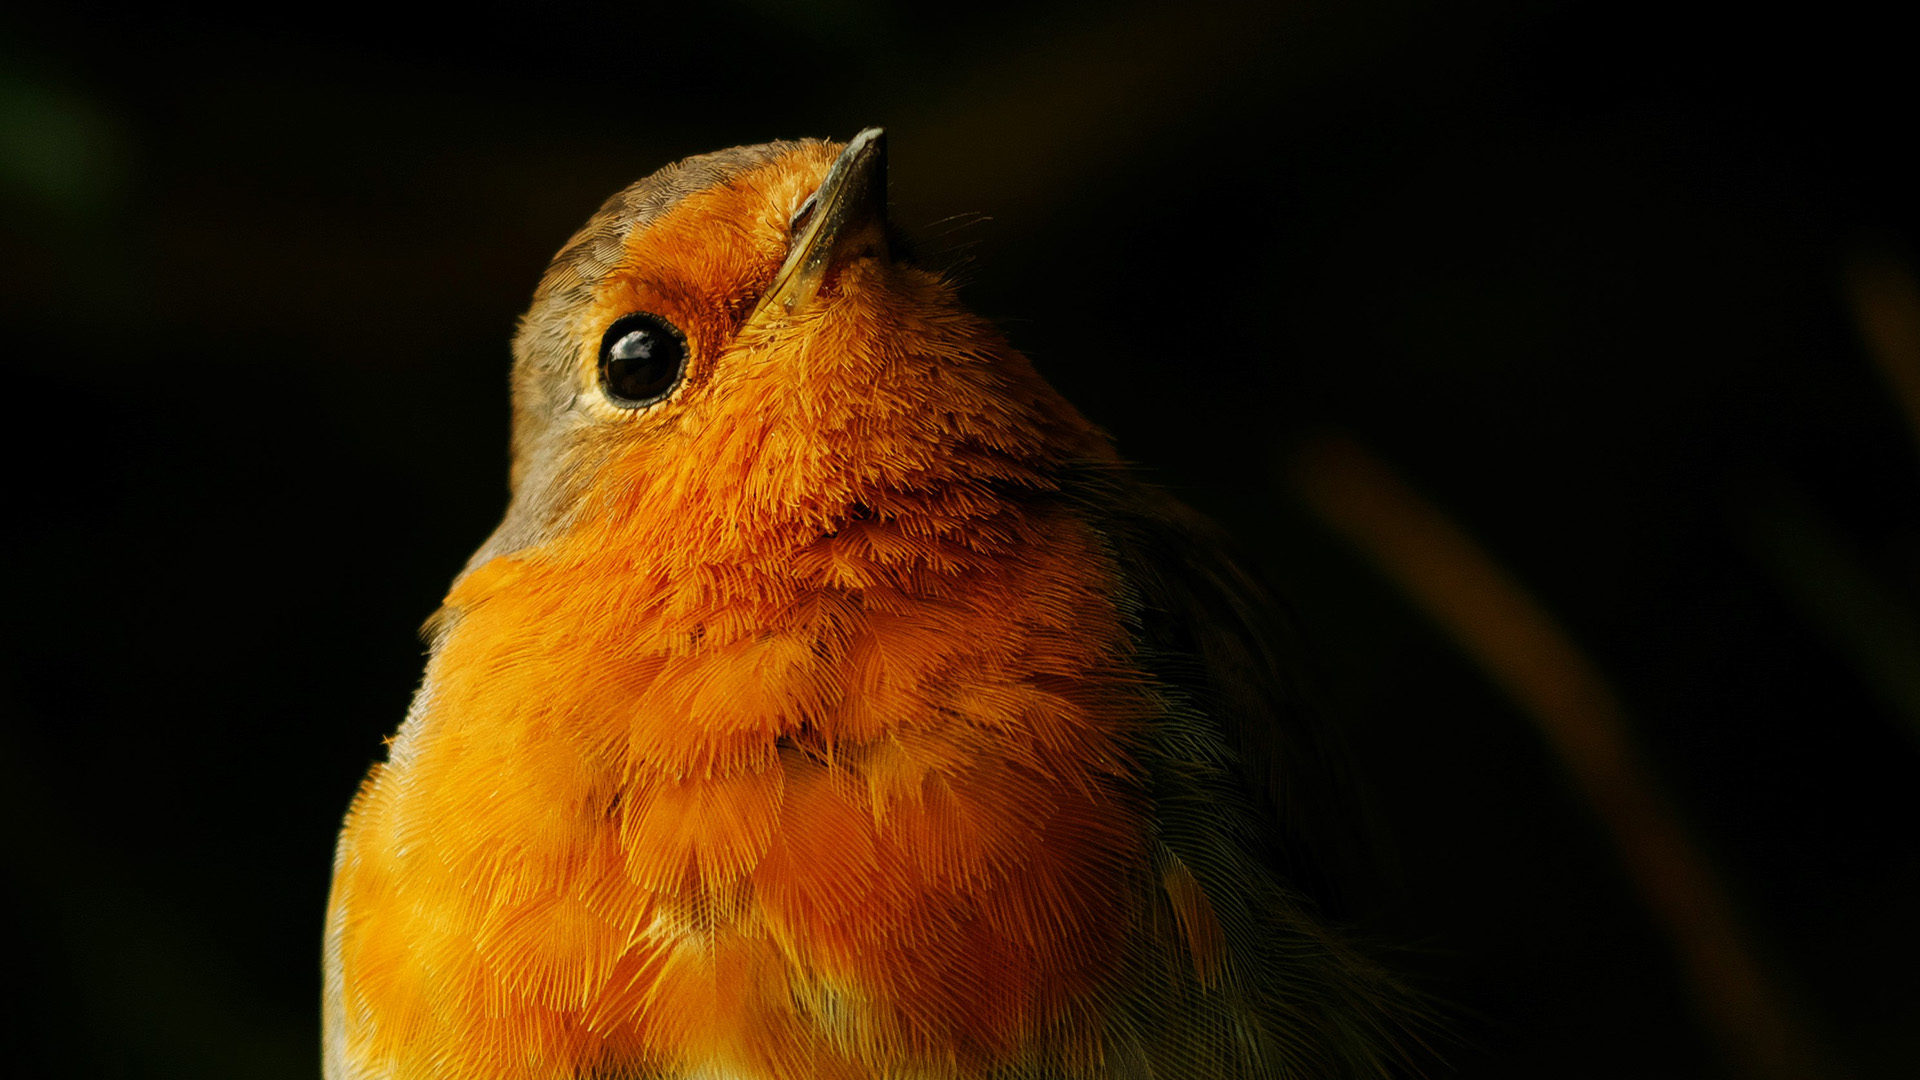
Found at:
(843, 221)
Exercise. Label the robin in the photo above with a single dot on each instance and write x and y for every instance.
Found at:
(831, 702)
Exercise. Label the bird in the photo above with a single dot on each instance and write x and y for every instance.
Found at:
(834, 701)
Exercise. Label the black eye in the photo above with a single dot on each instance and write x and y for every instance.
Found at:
(641, 359)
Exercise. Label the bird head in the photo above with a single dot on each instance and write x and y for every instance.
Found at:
(729, 358)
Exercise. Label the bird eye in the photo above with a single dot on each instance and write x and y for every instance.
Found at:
(642, 358)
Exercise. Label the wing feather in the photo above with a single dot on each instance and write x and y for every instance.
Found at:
(1256, 808)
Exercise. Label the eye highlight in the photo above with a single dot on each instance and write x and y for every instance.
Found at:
(642, 358)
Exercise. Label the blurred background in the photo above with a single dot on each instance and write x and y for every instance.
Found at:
(1599, 316)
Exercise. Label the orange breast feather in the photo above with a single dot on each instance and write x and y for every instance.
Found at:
(854, 826)
(690, 789)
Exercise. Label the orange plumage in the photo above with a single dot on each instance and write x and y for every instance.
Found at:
(845, 712)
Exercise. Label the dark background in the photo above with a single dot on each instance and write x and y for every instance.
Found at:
(1576, 270)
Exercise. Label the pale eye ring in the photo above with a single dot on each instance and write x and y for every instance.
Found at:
(643, 357)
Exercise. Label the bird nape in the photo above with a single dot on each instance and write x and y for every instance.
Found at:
(834, 702)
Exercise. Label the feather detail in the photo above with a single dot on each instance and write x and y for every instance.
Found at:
(837, 717)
